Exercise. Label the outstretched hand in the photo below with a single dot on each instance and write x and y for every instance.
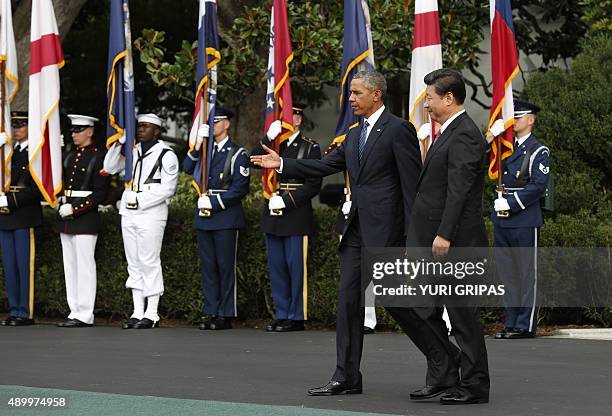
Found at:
(271, 160)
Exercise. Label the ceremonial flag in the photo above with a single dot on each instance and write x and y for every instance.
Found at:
(279, 103)
(46, 58)
(426, 57)
(10, 84)
(504, 64)
(206, 92)
(121, 113)
(357, 55)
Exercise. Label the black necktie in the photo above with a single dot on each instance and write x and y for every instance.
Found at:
(362, 138)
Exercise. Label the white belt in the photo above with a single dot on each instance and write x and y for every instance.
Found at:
(76, 194)
(216, 191)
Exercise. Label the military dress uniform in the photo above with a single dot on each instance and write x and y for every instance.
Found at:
(85, 187)
(17, 233)
(525, 176)
(217, 234)
(154, 179)
(287, 236)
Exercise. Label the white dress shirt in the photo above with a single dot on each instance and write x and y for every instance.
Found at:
(450, 120)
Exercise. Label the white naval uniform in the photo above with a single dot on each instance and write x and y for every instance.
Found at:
(143, 228)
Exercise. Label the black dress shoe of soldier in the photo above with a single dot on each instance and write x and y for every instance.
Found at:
(367, 330)
(290, 326)
(429, 392)
(206, 321)
(462, 397)
(519, 334)
(334, 388)
(146, 323)
(130, 323)
(7, 321)
(21, 322)
(503, 334)
(73, 323)
(271, 327)
(221, 323)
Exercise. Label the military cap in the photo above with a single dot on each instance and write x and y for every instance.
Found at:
(522, 108)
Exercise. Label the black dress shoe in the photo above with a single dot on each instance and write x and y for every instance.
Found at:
(130, 323)
(429, 392)
(517, 333)
(7, 321)
(503, 334)
(146, 323)
(367, 330)
(461, 397)
(290, 326)
(206, 321)
(21, 322)
(271, 327)
(334, 388)
(73, 323)
(221, 323)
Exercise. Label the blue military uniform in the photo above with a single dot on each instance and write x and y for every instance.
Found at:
(217, 234)
(287, 235)
(516, 236)
(17, 234)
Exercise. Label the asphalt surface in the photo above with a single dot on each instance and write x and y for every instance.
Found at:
(528, 377)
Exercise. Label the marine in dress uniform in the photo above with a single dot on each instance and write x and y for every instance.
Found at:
(525, 177)
(20, 214)
(85, 187)
(144, 212)
(287, 234)
(218, 218)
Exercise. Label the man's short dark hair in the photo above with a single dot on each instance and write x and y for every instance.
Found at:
(373, 80)
(447, 80)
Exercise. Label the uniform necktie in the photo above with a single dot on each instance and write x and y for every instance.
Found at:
(215, 151)
(362, 138)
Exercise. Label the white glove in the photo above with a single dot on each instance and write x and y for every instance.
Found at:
(203, 133)
(204, 202)
(274, 130)
(129, 197)
(424, 131)
(501, 204)
(62, 140)
(3, 139)
(276, 202)
(346, 207)
(497, 128)
(3, 201)
(121, 139)
(66, 210)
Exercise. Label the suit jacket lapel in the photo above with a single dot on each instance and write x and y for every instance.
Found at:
(375, 134)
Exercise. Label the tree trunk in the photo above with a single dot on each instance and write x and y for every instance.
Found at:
(65, 13)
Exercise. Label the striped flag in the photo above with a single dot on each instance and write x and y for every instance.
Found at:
(504, 64)
(426, 57)
(279, 102)
(46, 59)
(121, 112)
(206, 83)
(357, 55)
(8, 57)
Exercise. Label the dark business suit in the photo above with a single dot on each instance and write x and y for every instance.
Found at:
(383, 186)
(448, 204)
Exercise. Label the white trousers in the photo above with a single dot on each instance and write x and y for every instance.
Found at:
(80, 272)
(142, 241)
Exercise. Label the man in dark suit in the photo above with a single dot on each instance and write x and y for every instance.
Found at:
(287, 234)
(447, 212)
(85, 187)
(383, 162)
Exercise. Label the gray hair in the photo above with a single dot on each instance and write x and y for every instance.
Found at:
(373, 80)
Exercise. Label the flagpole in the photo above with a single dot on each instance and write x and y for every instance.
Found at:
(500, 186)
(2, 124)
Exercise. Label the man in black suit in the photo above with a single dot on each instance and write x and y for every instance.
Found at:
(383, 162)
(447, 212)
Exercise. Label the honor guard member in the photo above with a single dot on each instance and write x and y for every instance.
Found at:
(85, 187)
(144, 211)
(20, 213)
(219, 217)
(287, 221)
(517, 218)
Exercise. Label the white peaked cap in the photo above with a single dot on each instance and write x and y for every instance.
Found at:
(80, 120)
(149, 118)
